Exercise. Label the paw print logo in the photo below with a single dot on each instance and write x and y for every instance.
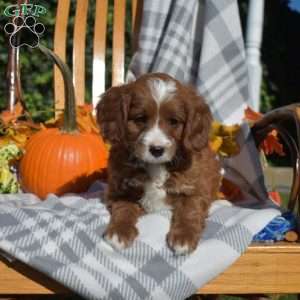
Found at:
(24, 31)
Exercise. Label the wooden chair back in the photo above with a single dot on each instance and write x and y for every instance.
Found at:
(99, 44)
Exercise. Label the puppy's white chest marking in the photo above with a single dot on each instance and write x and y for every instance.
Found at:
(154, 198)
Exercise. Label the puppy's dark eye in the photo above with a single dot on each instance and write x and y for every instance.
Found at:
(141, 119)
(174, 122)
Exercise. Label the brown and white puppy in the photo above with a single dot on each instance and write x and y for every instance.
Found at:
(158, 129)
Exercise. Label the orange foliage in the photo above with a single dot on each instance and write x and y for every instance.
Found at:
(13, 130)
(229, 190)
(251, 115)
(7, 116)
(86, 122)
(271, 143)
(275, 197)
(223, 139)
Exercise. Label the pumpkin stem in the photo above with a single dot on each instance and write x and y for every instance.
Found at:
(69, 124)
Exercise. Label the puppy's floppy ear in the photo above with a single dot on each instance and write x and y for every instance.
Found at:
(198, 124)
(112, 113)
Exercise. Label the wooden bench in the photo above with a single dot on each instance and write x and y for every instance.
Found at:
(262, 268)
(265, 269)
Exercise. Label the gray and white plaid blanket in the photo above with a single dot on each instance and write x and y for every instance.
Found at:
(62, 237)
(198, 42)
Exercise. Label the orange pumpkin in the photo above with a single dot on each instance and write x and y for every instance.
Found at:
(62, 160)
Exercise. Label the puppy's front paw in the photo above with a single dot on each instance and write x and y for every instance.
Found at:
(120, 236)
(182, 242)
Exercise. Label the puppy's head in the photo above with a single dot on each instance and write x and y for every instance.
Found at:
(154, 117)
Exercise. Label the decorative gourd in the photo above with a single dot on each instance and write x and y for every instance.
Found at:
(62, 160)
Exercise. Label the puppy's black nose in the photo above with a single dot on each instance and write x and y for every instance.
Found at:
(156, 151)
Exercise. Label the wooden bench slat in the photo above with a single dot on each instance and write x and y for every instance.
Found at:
(60, 41)
(118, 57)
(280, 247)
(80, 25)
(261, 269)
(137, 12)
(18, 279)
(99, 49)
(133, 12)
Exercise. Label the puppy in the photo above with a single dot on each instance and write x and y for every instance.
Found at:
(158, 129)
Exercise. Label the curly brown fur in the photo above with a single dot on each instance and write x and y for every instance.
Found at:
(159, 158)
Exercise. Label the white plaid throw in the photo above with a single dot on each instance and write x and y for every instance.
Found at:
(198, 42)
(62, 237)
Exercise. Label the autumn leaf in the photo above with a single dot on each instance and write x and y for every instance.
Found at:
(271, 144)
(275, 197)
(229, 147)
(230, 190)
(215, 143)
(18, 137)
(84, 125)
(27, 124)
(86, 108)
(86, 122)
(229, 130)
(7, 116)
(252, 116)
(223, 139)
(215, 128)
(222, 130)
(85, 119)
(14, 130)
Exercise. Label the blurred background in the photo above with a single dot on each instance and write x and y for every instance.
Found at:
(280, 56)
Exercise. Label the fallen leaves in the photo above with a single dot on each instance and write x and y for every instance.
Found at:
(271, 143)
(252, 116)
(223, 139)
(7, 116)
(86, 122)
(13, 129)
(275, 197)
(229, 191)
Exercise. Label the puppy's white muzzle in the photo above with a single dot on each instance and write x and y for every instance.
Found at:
(157, 146)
